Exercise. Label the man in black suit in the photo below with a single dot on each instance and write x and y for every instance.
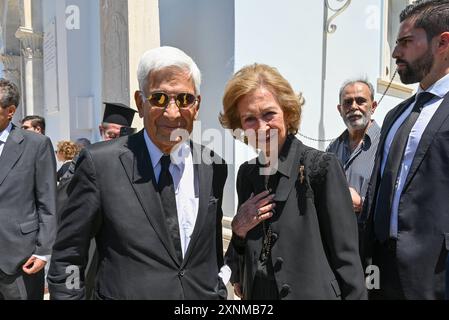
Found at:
(27, 203)
(407, 229)
(152, 200)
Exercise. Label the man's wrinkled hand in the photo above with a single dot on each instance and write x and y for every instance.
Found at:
(33, 265)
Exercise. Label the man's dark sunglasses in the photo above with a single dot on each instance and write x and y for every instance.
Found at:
(183, 100)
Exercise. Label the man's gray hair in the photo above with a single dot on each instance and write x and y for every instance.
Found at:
(163, 57)
(353, 82)
(9, 94)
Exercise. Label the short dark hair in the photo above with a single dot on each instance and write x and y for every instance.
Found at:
(36, 121)
(352, 82)
(9, 94)
(82, 142)
(430, 15)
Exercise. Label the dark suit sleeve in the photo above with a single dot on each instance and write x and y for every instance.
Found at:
(237, 246)
(338, 225)
(79, 219)
(45, 195)
(366, 232)
(243, 192)
(222, 174)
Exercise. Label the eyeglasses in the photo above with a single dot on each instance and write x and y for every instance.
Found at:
(183, 100)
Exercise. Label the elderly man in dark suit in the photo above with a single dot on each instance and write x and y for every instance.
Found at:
(152, 200)
(27, 203)
(407, 228)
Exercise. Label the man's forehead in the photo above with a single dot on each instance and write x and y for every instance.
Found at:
(169, 74)
(358, 88)
(112, 126)
(407, 28)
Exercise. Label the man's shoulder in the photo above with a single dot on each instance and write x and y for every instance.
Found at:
(107, 147)
(336, 143)
(29, 136)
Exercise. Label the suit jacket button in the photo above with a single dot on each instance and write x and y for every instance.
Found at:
(285, 290)
(278, 264)
(275, 236)
(181, 273)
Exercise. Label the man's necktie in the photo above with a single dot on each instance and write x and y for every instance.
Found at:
(390, 175)
(167, 193)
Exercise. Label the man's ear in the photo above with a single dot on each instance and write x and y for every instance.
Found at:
(197, 107)
(339, 108)
(374, 107)
(443, 44)
(138, 97)
(39, 129)
(11, 111)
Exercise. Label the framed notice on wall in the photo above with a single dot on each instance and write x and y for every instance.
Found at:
(51, 90)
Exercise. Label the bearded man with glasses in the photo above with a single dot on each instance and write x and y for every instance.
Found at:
(356, 147)
(158, 232)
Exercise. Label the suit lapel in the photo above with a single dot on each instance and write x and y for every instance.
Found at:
(137, 164)
(388, 123)
(12, 150)
(288, 166)
(205, 177)
(386, 126)
(432, 128)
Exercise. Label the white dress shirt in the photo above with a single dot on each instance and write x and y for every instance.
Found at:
(439, 89)
(3, 137)
(185, 181)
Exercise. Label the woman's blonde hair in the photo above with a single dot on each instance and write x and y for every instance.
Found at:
(251, 78)
(68, 149)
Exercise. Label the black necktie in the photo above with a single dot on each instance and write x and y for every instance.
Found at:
(390, 175)
(168, 199)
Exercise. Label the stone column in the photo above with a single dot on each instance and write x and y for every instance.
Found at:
(31, 47)
(128, 29)
(143, 34)
(114, 50)
(11, 72)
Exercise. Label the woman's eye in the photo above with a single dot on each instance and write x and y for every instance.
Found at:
(269, 114)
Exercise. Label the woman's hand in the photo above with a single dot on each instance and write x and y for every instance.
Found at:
(253, 211)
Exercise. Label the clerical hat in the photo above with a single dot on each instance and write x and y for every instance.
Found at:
(118, 113)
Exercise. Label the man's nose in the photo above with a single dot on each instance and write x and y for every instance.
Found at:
(354, 104)
(172, 110)
(395, 54)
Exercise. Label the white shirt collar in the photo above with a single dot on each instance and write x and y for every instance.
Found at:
(177, 155)
(439, 88)
(5, 133)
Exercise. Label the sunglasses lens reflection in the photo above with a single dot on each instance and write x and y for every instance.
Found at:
(161, 99)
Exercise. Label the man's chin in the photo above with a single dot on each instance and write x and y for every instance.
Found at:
(358, 126)
(407, 78)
